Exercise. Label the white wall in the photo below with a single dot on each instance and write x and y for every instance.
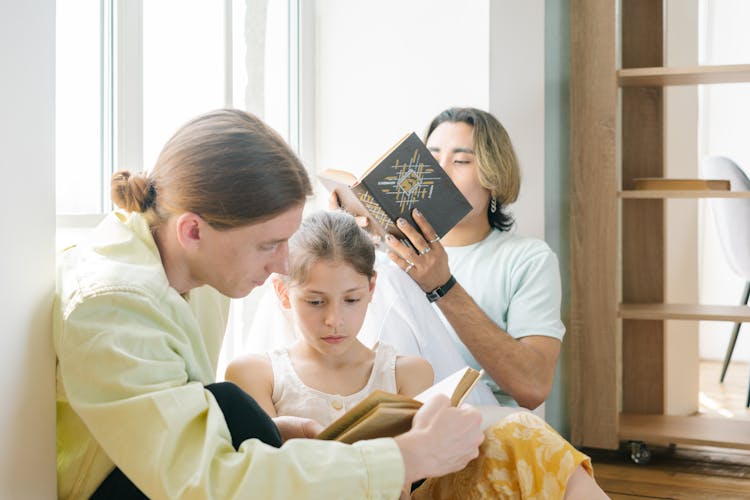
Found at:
(27, 370)
(517, 65)
(386, 68)
(681, 216)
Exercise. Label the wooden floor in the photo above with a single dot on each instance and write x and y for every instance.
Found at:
(687, 472)
(725, 400)
(680, 474)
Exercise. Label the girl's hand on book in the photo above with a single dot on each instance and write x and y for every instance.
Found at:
(297, 427)
(443, 439)
(428, 264)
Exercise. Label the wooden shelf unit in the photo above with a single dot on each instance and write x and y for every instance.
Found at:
(696, 75)
(690, 312)
(691, 430)
(663, 194)
(617, 267)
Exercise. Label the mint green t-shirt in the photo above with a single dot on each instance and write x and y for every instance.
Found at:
(516, 281)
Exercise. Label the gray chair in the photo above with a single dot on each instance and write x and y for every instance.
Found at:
(732, 216)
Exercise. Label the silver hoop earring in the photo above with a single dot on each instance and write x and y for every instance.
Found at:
(493, 205)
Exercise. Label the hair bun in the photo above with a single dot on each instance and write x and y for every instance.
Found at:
(134, 193)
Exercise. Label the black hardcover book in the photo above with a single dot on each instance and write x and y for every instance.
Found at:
(406, 177)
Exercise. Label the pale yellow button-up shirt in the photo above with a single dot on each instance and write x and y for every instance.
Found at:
(133, 357)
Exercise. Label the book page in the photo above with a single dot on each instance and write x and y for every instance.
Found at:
(332, 178)
(360, 412)
(382, 414)
(456, 386)
(383, 421)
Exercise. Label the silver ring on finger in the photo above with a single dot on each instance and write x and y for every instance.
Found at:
(435, 239)
(409, 267)
(425, 250)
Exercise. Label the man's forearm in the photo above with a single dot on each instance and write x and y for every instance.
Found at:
(519, 369)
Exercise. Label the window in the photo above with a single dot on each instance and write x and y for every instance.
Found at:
(129, 73)
(183, 66)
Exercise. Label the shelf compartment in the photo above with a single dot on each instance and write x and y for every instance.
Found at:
(699, 312)
(668, 193)
(685, 430)
(695, 75)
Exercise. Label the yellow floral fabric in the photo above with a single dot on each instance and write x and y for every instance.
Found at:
(521, 458)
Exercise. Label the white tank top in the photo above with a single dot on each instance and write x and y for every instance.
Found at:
(292, 397)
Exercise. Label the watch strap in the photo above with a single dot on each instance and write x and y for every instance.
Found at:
(438, 292)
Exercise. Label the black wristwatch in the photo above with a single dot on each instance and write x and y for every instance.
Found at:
(441, 290)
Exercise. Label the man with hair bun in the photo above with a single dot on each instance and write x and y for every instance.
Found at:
(139, 317)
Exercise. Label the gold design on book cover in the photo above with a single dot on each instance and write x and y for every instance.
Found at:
(375, 210)
(410, 182)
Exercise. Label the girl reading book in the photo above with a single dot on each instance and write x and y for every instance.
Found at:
(328, 370)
